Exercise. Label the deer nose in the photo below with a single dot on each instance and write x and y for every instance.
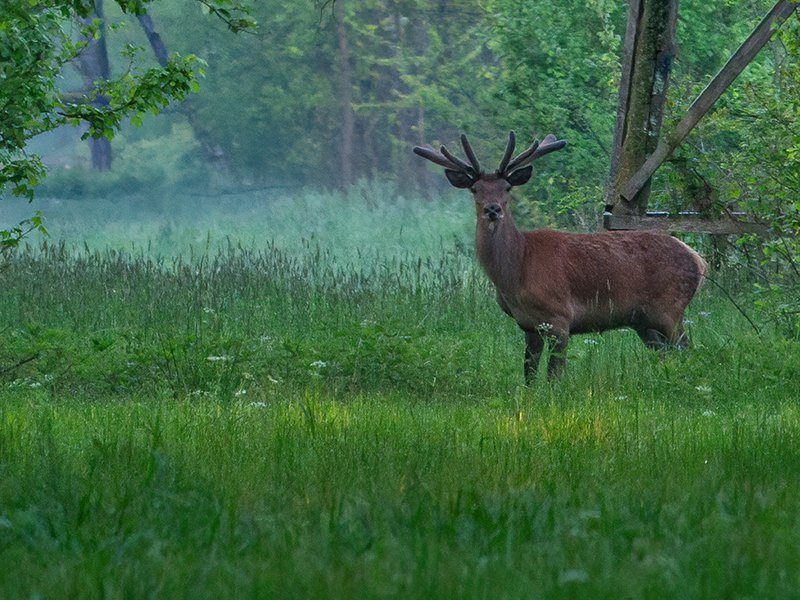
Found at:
(493, 211)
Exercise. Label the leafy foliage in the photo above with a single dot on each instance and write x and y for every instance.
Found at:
(744, 156)
(35, 46)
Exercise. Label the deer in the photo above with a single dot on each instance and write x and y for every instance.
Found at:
(555, 284)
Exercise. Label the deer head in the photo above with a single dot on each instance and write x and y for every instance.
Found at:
(490, 190)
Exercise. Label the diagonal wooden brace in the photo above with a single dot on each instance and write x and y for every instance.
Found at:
(737, 63)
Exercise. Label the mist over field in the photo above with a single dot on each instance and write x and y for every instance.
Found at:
(369, 220)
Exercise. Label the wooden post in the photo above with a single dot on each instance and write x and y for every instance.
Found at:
(636, 156)
(737, 63)
(647, 61)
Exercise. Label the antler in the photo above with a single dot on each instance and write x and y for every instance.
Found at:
(451, 162)
(549, 144)
(444, 158)
(470, 154)
(432, 155)
(512, 142)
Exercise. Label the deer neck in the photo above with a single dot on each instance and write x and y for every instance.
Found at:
(500, 247)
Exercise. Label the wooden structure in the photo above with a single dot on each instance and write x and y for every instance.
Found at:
(637, 152)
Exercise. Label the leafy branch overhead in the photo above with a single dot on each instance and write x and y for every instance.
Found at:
(133, 95)
(36, 46)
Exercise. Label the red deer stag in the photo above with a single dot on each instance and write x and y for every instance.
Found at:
(554, 284)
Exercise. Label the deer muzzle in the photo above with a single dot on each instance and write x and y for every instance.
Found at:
(493, 212)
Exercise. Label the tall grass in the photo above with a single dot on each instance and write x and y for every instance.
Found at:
(306, 419)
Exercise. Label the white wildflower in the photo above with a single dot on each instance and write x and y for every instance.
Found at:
(221, 358)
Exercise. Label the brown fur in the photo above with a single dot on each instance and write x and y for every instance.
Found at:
(555, 284)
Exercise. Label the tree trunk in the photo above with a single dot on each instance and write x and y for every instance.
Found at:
(345, 98)
(215, 154)
(649, 50)
(156, 43)
(93, 66)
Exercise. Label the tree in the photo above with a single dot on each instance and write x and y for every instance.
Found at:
(94, 67)
(35, 47)
(345, 96)
(341, 93)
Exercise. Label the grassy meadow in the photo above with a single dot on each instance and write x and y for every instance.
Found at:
(316, 396)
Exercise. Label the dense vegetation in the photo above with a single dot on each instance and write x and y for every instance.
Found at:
(219, 377)
(346, 416)
(331, 420)
(327, 94)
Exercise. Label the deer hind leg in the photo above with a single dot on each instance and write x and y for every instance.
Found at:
(653, 338)
(663, 333)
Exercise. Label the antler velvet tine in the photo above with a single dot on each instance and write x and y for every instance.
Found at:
(547, 147)
(459, 164)
(470, 154)
(522, 158)
(429, 153)
(512, 142)
(549, 144)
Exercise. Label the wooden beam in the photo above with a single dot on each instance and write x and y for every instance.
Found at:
(684, 222)
(737, 63)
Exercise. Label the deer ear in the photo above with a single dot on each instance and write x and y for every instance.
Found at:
(520, 176)
(458, 179)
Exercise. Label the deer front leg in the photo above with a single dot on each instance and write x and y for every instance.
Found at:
(558, 353)
(534, 346)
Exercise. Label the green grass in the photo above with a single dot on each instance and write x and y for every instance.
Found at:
(299, 419)
(386, 495)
